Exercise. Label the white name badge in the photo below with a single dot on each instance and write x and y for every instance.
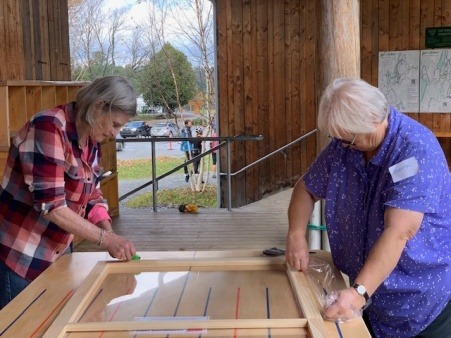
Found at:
(405, 169)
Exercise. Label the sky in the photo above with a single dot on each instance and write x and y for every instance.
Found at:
(137, 13)
(137, 10)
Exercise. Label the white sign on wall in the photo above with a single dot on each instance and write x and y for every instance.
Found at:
(417, 80)
(398, 78)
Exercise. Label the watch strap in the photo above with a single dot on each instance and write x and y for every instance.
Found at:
(361, 290)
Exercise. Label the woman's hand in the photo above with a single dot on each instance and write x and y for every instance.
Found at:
(343, 305)
(119, 247)
(299, 211)
(297, 252)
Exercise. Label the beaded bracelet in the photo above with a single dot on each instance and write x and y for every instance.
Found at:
(101, 237)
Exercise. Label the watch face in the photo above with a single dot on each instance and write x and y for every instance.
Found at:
(361, 290)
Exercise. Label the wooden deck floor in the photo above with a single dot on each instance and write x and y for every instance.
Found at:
(259, 225)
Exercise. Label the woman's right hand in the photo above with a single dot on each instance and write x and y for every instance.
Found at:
(297, 251)
(119, 247)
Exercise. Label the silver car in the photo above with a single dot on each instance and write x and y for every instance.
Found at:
(163, 129)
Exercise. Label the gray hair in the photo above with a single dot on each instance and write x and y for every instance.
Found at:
(351, 106)
(111, 92)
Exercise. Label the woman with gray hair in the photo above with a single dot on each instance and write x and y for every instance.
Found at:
(387, 188)
(51, 186)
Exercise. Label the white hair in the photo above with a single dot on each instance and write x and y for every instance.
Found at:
(111, 92)
(351, 106)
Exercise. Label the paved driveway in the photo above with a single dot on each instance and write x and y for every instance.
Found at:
(142, 150)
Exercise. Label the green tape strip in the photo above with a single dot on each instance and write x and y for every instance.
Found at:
(317, 227)
(136, 257)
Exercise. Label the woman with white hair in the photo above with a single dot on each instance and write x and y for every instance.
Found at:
(387, 188)
(51, 187)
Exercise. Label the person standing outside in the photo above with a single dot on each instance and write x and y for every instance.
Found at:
(50, 190)
(214, 154)
(387, 188)
(186, 146)
(197, 149)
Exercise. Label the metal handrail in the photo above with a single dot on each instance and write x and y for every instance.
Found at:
(229, 174)
(275, 152)
(223, 141)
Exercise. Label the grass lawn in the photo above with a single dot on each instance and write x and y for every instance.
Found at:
(138, 169)
(169, 198)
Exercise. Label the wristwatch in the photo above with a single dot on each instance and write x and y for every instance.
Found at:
(361, 290)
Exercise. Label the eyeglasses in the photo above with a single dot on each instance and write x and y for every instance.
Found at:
(346, 142)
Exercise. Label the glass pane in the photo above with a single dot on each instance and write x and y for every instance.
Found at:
(199, 294)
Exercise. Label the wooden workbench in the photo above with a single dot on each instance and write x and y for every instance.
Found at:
(34, 312)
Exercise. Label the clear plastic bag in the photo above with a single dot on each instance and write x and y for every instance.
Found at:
(323, 279)
(325, 285)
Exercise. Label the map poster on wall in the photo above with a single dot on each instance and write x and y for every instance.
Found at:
(398, 79)
(435, 81)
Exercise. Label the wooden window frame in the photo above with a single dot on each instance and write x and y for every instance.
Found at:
(67, 320)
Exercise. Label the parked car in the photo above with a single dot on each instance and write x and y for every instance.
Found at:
(164, 129)
(135, 129)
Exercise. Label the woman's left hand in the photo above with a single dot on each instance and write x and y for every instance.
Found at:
(344, 305)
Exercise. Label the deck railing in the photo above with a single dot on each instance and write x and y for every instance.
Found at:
(222, 142)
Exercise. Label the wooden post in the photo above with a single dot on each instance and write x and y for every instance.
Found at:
(338, 46)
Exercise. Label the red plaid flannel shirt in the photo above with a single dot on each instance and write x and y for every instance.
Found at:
(44, 171)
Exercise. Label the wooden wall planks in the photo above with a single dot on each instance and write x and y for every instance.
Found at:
(266, 53)
(34, 36)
